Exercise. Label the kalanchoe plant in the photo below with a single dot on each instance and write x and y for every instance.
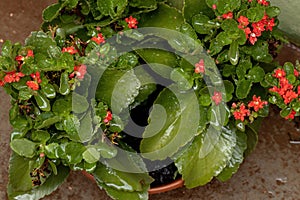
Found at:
(73, 88)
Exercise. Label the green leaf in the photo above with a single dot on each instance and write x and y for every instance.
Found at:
(49, 91)
(166, 131)
(255, 14)
(120, 194)
(85, 132)
(19, 174)
(79, 103)
(233, 53)
(243, 88)
(229, 25)
(121, 180)
(159, 60)
(113, 8)
(182, 79)
(114, 92)
(25, 94)
(51, 12)
(40, 136)
(47, 122)
(228, 70)
(150, 4)
(42, 101)
(256, 74)
(71, 125)
(74, 151)
(91, 155)
(50, 185)
(192, 8)
(225, 6)
(272, 11)
(259, 51)
(203, 25)
(62, 106)
(252, 135)
(23, 147)
(237, 157)
(6, 50)
(64, 87)
(106, 150)
(40, 41)
(206, 157)
(164, 17)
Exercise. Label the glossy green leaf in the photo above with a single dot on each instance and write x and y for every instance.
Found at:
(42, 102)
(113, 8)
(260, 51)
(49, 91)
(183, 80)
(228, 70)
(23, 147)
(47, 122)
(79, 103)
(272, 11)
(149, 4)
(236, 159)
(51, 12)
(192, 8)
(25, 94)
(19, 174)
(166, 131)
(41, 42)
(85, 132)
(40, 136)
(229, 25)
(120, 180)
(20, 124)
(164, 17)
(62, 106)
(114, 92)
(243, 88)
(64, 87)
(256, 74)
(120, 194)
(255, 14)
(51, 150)
(6, 49)
(206, 157)
(203, 25)
(225, 6)
(160, 61)
(91, 155)
(233, 53)
(71, 125)
(252, 135)
(74, 151)
(106, 150)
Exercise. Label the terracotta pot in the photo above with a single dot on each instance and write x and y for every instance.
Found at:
(164, 188)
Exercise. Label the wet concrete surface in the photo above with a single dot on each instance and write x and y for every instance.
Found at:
(272, 171)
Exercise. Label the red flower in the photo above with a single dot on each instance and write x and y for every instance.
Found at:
(257, 103)
(241, 113)
(12, 77)
(228, 15)
(285, 85)
(30, 53)
(247, 32)
(298, 89)
(132, 22)
(199, 67)
(217, 97)
(2, 83)
(252, 38)
(214, 6)
(80, 71)
(108, 117)
(291, 115)
(33, 85)
(99, 39)
(296, 73)
(36, 77)
(19, 58)
(279, 73)
(70, 50)
(289, 96)
(270, 24)
(263, 2)
(243, 21)
(258, 27)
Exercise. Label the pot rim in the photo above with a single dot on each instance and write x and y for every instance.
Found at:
(178, 183)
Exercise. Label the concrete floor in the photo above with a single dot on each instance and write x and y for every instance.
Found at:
(271, 172)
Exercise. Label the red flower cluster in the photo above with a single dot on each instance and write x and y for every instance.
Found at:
(79, 71)
(108, 117)
(263, 2)
(228, 15)
(34, 84)
(285, 89)
(132, 22)
(99, 39)
(71, 50)
(217, 97)
(199, 67)
(240, 111)
(266, 24)
(11, 77)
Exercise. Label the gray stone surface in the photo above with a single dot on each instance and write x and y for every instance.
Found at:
(271, 172)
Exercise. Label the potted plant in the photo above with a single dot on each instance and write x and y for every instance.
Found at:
(128, 89)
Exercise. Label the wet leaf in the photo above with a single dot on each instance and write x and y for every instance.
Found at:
(51, 12)
(256, 74)
(91, 155)
(203, 25)
(233, 53)
(206, 157)
(40, 136)
(113, 8)
(243, 88)
(23, 147)
(42, 101)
